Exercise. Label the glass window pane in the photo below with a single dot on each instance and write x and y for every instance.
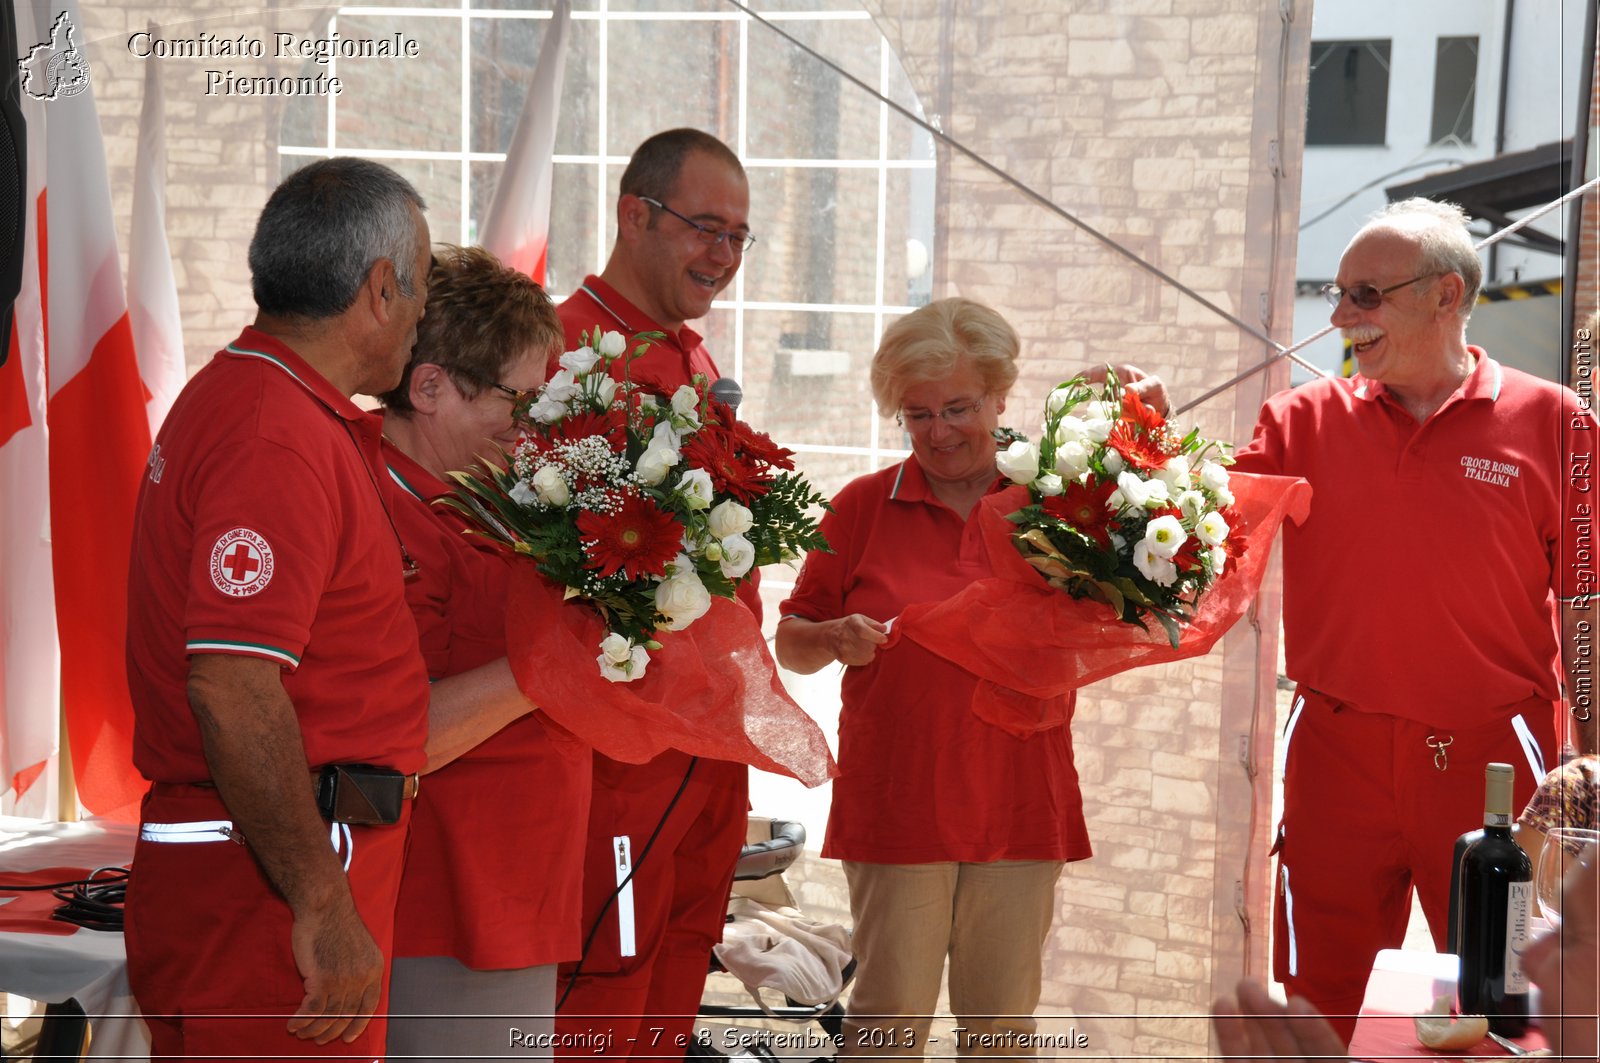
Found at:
(665, 74)
(909, 238)
(842, 118)
(1455, 88)
(401, 104)
(504, 55)
(1348, 93)
(805, 376)
(818, 235)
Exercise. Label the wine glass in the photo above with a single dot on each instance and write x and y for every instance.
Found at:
(1564, 848)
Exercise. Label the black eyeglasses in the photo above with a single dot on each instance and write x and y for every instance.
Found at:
(1366, 296)
(739, 242)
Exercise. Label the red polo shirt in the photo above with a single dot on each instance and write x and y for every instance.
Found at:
(261, 531)
(921, 777)
(670, 362)
(1423, 584)
(494, 874)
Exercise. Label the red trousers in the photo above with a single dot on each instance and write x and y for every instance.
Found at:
(209, 958)
(1371, 809)
(643, 1004)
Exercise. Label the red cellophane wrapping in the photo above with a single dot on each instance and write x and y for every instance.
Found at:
(711, 690)
(1031, 645)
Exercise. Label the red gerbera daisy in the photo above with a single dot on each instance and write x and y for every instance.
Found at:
(638, 539)
(717, 451)
(1137, 411)
(612, 425)
(1140, 434)
(1084, 507)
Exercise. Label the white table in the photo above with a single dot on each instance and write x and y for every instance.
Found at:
(90, 966)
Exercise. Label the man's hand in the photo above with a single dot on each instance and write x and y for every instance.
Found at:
(1152, 390)
(1257, 1029)
(343, 972)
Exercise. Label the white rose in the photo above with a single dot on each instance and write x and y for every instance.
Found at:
(612, 344)
(1219, 560)
(1056, 401)
(547, 411)
(666, 437)
(1095, 410)
(563, 386)
(1175, 474)
(624, 671)
(654, 463)
(1213, 477)
(1163, 536)
(1071, 430)
(1156, 494)
(605, 390)
(617, 648)
(1112, 461)
(1224, 497)
(551, 486)
(686, 402)
(579, 361)
(1212, 529)
(1072, 460)
(1192, 504)
(695, 487)
(729, 518)
(738, 555)
(1133, 490)
(522, 494)
(1048, 484)
(682, 599)
(1153, 566)
(1019, 462)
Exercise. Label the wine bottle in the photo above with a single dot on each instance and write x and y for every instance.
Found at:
(1495, 885)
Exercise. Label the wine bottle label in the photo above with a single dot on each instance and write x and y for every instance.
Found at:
(1496, 819)
(1517, 904)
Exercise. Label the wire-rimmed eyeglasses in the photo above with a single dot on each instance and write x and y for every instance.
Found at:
(1366, 296)
(739, 242)
(954, 416)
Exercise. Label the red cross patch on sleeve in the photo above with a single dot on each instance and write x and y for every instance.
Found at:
(241, 563)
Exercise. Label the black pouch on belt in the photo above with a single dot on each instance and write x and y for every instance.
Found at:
(361, 794)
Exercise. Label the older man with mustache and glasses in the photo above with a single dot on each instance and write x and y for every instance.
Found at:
(1423, 598)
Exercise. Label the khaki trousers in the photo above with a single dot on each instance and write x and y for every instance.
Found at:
(991, 920)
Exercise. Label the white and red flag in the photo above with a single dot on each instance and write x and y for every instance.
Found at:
(152, 290)
(94, 421)
(517, 227)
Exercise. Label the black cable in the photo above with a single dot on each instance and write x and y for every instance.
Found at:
(600, 916)
(94, 902)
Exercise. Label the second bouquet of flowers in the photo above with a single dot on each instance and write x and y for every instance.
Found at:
(645, 512)
(1119, 543)
(1121, 509)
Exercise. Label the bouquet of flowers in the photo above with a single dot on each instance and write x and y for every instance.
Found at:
(646, 510)
(1121, 509)
(1111, 518)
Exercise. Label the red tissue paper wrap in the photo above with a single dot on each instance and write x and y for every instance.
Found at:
(712, 690)
(1031, 645)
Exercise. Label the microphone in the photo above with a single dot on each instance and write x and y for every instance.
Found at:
(726, 389)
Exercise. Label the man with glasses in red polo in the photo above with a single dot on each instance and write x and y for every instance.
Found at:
(663, 836)
(1421, 598)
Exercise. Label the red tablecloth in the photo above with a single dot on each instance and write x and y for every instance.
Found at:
(1404, 984)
